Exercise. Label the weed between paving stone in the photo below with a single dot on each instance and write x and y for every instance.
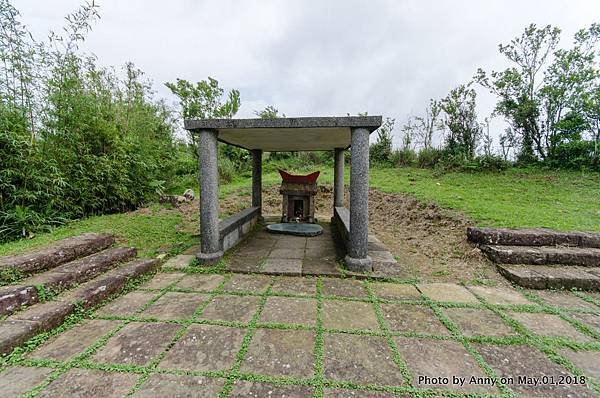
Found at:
(547, 345)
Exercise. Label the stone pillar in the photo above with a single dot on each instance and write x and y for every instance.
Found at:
(257, 179)
(338, 178)
(210, 249)
(357, 258)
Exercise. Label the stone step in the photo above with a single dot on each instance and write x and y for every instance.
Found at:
(57, 253)
(13, 298)
(532, 237)
(552, 277)
(42, 317)
(542, 255)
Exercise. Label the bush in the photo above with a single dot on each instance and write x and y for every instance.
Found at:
(575, 155)
(429, 157)
(403, 157)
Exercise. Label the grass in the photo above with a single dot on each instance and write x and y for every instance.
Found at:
(519, 198)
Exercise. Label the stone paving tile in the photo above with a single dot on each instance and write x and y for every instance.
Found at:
(294, 243)
(412, 318)
(287, 266)
(162, 280)
(242, 389)
(500, 295)
(137, 343)
(200, 282)
(587, 361)
(449, 292)
(231, 308)
(127, 305)
(549, 325)
(327, 252)
(290, 310)
(74, 341)
(432, 359)
(339, 314)
(344, 393)
(245, 264)
(360, 359)
(179, 262)
(514, 361)
(474, 322)
(565, 300)
(16, 381)
(293, 285)
(590, 320)
(253, 252)
(85, 383)
(174, 306)
(344, 288)
(16, 332)
(205, 348)
(287, 253)
(277, 352)
(395, 291)
(247, 283)
(320, 267)
(166, 385)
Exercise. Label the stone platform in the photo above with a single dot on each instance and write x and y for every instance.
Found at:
(277, 254)
(236, 335)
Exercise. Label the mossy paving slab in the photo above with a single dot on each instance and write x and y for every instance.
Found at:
(204, 283)
(430, 361)
(167, 385)
(16, 381)
(565, 300)
(277, 352)
(500, 295)
(448, 292)
(395, 291)
(247, 283)
(295, 253)
(162, 280)
(591, 320)
(137, 343)
(174, 305)
(231, 308)
(245, 264)
(282, 266)
(338, 314)
(242, 389)
(412, 318)
(320, 267)
(128, 304)
(74, 341)
(205, 348)
(290, 310)
(587, 361)
(295, 285)
(84, 383)
(360, 359)
(345, 393)
(475, 322)
(519, 360)
(344, 288)
(287, 242)
(549, 325)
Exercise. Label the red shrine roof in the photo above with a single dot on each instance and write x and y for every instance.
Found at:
(307, 179)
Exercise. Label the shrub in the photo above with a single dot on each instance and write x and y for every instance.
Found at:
(429, 157)
(575, 155)
(403, 157)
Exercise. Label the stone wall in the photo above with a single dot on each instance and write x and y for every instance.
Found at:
(234, 228)
(340, 226)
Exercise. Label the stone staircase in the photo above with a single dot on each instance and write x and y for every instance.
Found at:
(542, 258)
(82, 270)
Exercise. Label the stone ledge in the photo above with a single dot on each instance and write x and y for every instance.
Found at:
(549, 277)
(543, 255)
(235, 221)
(371, 123)
(532, 237)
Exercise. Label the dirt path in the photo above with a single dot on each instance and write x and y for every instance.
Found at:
(430, 242)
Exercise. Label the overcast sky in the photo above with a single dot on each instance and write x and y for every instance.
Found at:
(311, 58)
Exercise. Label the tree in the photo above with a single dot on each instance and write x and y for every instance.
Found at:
(270, 112)
(518, 87)
(204, 100)
(429, 124)
(461, 120)
(380, 151)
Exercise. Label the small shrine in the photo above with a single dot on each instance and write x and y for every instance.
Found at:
(298, 204)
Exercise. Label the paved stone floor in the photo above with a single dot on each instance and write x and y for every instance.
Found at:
(278, 254)
(237, 335)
